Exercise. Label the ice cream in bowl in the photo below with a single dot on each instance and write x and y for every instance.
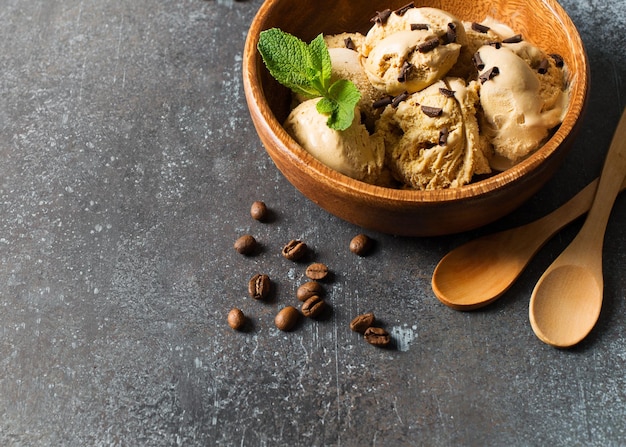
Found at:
(417, 119)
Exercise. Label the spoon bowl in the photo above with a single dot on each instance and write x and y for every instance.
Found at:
(580, 296)
(480, 271)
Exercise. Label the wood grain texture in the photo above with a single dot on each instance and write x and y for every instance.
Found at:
(403, 212)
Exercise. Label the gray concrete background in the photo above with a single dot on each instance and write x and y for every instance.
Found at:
(128, 163)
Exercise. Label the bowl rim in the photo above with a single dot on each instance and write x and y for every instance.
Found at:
(258, 105)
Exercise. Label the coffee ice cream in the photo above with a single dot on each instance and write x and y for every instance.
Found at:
(442, 101)
(352, 152)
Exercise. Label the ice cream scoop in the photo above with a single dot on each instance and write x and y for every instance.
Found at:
(517, 118)
(412, 50)
(432, 138)
(353, 152)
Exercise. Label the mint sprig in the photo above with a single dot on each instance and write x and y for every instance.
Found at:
(306, 70)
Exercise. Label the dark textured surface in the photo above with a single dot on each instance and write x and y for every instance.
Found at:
(128, 163)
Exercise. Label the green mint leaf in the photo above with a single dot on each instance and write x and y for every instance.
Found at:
(306, 70)
(288, 60)
(320, 63)
(340, 103)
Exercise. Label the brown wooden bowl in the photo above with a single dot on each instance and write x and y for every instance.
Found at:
(410, 212)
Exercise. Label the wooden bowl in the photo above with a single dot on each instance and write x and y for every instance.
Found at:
(410, 212)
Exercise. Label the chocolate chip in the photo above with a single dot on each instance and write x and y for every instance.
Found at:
(428, 45)
(558, 60)
(349, 43)
(497, 45)
(398, 99)
(405, 8)
(478, 27)
(382, 102)
(447, 93)
(404, 71)
(513, 39)
(450, 33)
(443, 136)
(489, 74)
(543, 66)
(381, 17)
(431, 111)
(478, 62)
(419, 26)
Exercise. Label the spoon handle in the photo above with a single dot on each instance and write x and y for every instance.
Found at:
(591, 235)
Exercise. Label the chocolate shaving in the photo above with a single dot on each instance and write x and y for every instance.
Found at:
(405, 8)
(381, 17)
(513, 39)
(383, 102)
(429, 45)
(543, 66)
(419, 26)
(443, 136)
(398, 99)
(489, 74)
(431, 111)
(447, 93)
(478, 62)
(558, 60)
(349, 43)
(404, 71)
(450, 34)
(495, 44)
(478, 27)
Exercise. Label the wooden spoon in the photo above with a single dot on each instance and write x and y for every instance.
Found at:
(567, 299)
(482, 270)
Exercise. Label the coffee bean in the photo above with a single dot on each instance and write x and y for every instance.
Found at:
(317, 271)
(259, 286)
(236, 319)
(287, 318)
(308, 289)
(361, 245)
(246, 244)
(294, 250)
(360, 323)
(258, 211)
(377, 336)
(313, 306)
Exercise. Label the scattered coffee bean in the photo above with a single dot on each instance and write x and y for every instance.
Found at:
(308, 289)
(287, 318)
(377, 336)
(258, 211)
(246, 244)
(362, 322)
(294, 250)
(316, 271)
(236, 319)
(259, 286)
(313, 306)
(361, 244)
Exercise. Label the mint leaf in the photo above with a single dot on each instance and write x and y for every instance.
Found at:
(340, 103)
(288, 61)
(320, 63)
(306, 70)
